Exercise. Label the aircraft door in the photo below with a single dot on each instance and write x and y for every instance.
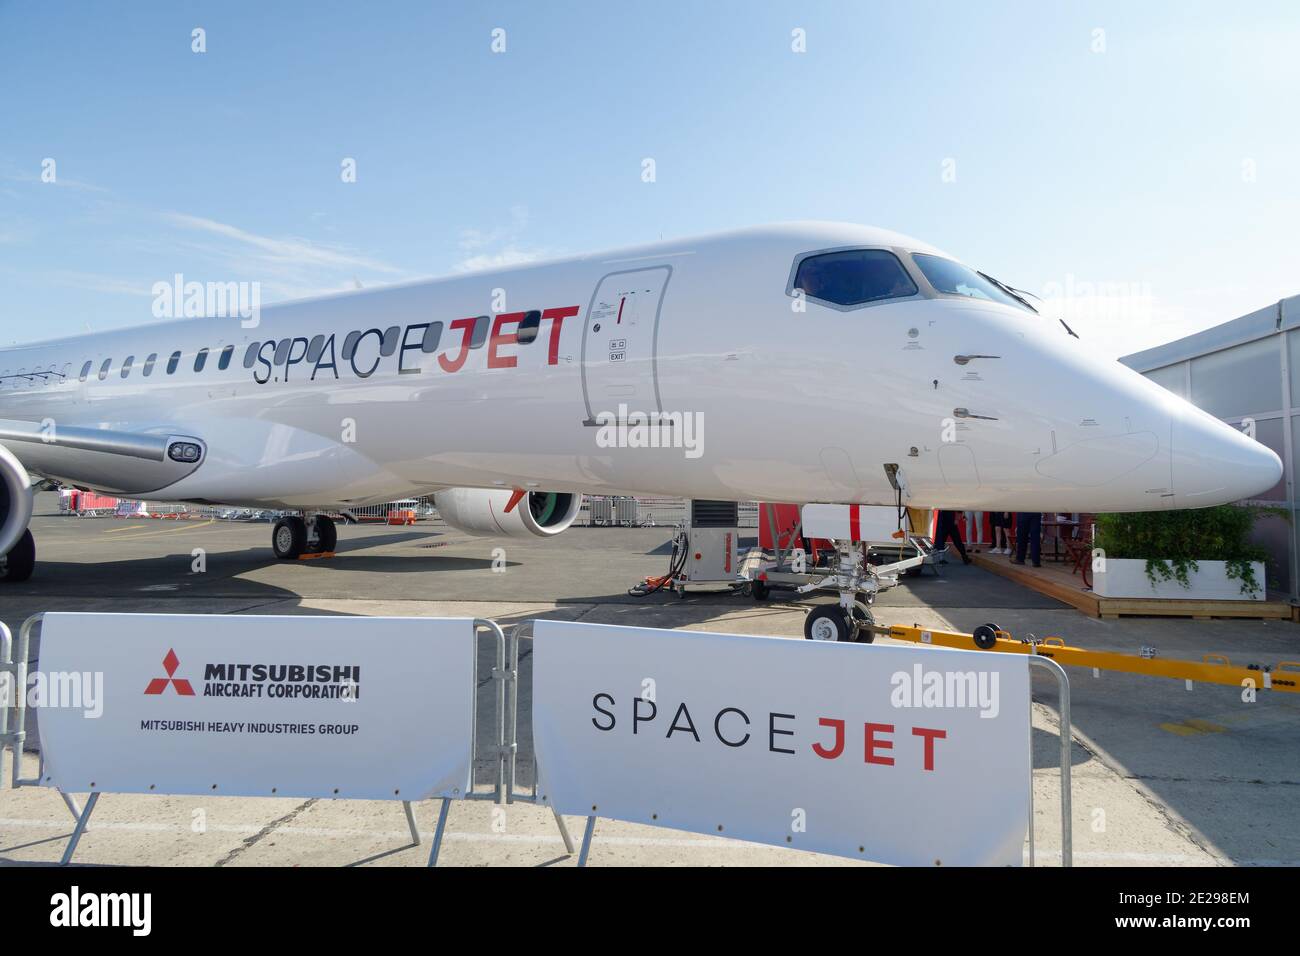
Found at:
(619, 342)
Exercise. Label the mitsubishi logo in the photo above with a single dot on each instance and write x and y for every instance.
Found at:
(159, 684)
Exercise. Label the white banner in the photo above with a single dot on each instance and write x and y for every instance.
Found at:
(903, 755)
(347, 707)
(851, 522)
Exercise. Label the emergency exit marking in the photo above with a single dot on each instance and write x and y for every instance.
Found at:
(617, 356)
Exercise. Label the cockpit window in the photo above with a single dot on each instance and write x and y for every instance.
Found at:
(854, 277)
(953, 278)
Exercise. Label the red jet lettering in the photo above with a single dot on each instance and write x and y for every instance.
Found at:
(878, 742)
(500, 338)
(873, 744)
(454, 365)
(557, 317)
(930, 737)
(835, 751)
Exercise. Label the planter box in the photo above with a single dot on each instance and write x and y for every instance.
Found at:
(1127, 578)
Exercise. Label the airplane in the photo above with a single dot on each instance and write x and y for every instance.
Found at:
(807, 362)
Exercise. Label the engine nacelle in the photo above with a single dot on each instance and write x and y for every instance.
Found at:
(15, 500)
(482, 511)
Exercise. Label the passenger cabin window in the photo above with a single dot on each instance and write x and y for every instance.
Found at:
(85, 370)
(250, 356)
(480, 333)
(432, 334)
(953, 278)
(148, 364)
(223, 363)
(103, 369)
(172, 362)
(201, 359)
(854, 277)
(315, 348)
(126, 366)
(528, 327)
(350, 345)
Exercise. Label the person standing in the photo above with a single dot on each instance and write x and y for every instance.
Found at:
(946, 527)
(1001, 524)
(1029, 535)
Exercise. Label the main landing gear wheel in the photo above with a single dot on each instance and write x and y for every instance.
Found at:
(19, 563)
(327, 535)
(289, 538)
(986, 636)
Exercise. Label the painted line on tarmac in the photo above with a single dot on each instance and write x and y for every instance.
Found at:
(1249, 718)
(154, 534)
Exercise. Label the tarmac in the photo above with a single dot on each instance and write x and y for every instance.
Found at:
(1163, 776)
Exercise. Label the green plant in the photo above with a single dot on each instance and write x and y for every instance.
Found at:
(1171, 541)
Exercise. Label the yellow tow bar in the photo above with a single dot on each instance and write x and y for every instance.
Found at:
(1211, 669)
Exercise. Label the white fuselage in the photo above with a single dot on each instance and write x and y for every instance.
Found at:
(793, 400)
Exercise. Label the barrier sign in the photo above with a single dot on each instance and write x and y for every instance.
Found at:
(347, 707)
(902, 755)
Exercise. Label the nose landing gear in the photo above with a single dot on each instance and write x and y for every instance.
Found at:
(830, 622)
(856, 582)
(294, 537)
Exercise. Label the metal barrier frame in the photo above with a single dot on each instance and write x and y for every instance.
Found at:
(17, 665)
(1066, 735)
(524, 631)
(520, 633)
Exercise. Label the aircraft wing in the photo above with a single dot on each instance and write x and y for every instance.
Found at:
(122, 462)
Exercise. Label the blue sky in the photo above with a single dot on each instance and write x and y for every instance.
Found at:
(1144, 176)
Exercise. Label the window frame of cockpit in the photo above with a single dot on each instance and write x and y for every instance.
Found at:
(900, 255)
(940, 294)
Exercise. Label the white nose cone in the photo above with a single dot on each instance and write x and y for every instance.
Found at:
(1214, 464)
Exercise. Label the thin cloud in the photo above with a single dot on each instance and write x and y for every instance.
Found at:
(63, 181)
(498, 247)
(284, 251)
(498, 260)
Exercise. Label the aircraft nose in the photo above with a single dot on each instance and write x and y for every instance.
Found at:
(1213, 463)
